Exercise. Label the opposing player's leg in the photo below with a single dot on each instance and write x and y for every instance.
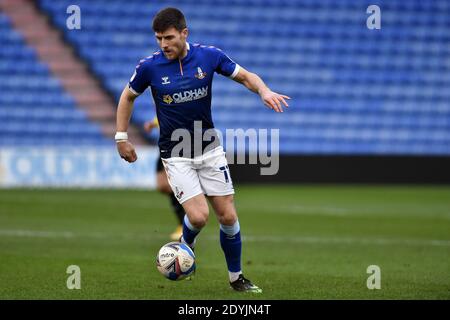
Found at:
(163, 186)
(230, 241)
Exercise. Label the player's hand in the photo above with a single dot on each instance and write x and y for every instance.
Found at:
(274, 100)
(149, 125)
(126, 151)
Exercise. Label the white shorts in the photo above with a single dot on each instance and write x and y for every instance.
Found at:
(208, 174)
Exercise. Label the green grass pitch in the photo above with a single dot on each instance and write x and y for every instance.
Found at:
(300, 242)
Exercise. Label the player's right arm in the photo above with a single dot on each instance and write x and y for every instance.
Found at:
(124, 110)
(138, 83)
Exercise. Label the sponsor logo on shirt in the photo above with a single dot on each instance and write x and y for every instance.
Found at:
(167, 98)
(185, 96)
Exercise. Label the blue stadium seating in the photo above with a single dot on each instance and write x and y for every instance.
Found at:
(34, 109)
(354, 90)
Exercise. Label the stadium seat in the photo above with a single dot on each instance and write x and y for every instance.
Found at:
(353, 90)
(34, 108)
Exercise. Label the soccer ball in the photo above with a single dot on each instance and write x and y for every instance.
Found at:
(175, 261)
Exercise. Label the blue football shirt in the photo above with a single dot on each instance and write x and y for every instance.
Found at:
(181, 90)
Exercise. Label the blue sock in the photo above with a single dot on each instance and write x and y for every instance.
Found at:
(189, 232)
(230, 241)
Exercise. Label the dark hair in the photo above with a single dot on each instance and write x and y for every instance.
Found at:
(167, 18)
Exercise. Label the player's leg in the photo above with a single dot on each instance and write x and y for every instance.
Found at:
(163, 186)
(185, 184)
(230, 233)
(196, 217)
(216, 181)
(230, 241)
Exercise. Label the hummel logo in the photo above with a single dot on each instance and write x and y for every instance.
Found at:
(165, 80)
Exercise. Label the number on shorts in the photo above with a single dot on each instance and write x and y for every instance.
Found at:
(226, 173)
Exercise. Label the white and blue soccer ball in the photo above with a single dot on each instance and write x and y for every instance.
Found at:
(175, 261)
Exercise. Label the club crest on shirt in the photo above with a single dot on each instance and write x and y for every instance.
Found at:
(200, 74)
(167, 98)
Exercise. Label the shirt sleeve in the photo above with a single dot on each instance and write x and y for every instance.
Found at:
(140, 79)
(226, 66)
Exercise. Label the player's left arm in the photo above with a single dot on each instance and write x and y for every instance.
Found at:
(254, 83)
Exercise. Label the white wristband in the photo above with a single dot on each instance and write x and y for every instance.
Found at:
(121, 136)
